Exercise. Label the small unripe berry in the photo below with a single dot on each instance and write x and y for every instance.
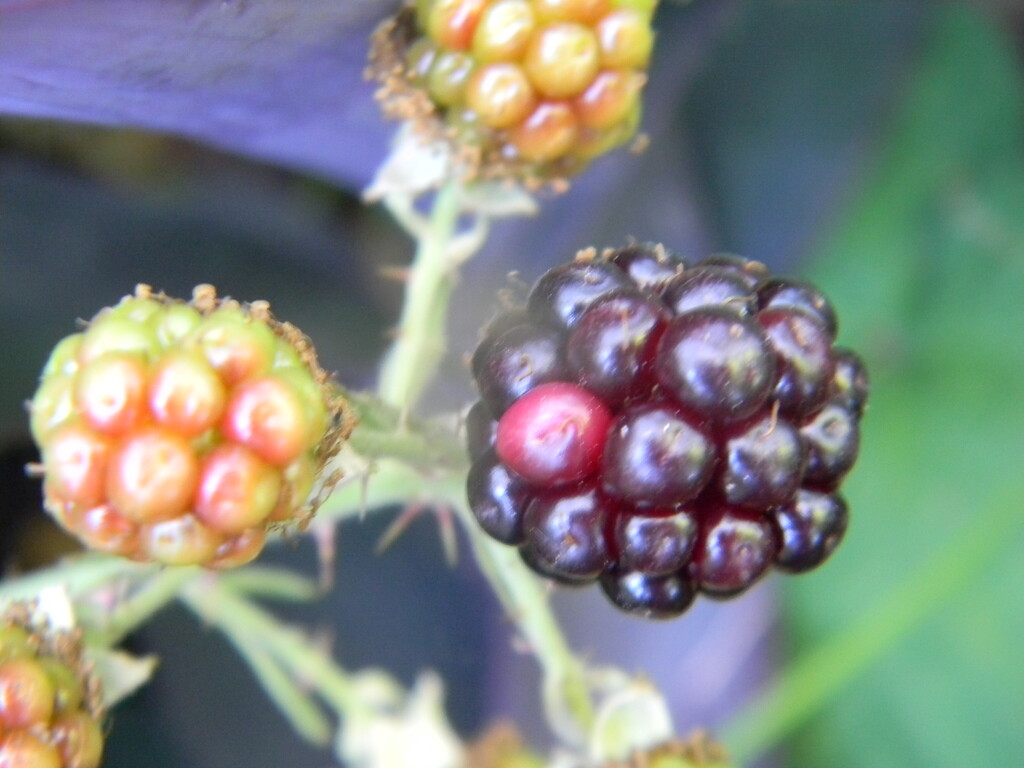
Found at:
(500, 94)
(211, 424)
(562, 59)
(504, 31)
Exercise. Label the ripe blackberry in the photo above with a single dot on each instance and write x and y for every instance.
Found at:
(809, 529)
(532, 89)
(51, 711)
(666, 427)
(181, 433)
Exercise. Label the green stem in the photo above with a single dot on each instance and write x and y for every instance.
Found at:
(567, 700)
(79, 575)
(388, 483)
(303, 714)
(147, 599)
(520, 592)
(244, 622)
(815, 678)
(413, 358)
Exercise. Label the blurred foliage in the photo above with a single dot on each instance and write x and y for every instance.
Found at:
(927, 268)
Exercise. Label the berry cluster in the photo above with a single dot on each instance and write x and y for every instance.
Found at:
(50, 711)
(180, 433)
(536, 87)
(665, 427)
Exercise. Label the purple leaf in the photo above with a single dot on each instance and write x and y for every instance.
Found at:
(278, 81)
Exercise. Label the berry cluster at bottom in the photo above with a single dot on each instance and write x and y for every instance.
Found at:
(665, 427)
(50, 715)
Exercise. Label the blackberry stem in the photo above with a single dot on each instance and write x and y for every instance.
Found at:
(567, 701)
(152, 595)
(79, 575)
(262, 638)
(411, 362)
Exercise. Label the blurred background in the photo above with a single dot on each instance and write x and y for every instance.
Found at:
(875, 148)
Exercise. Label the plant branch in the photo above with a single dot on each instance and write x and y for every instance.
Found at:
(566, 694)
(413, 358)
(250, 628)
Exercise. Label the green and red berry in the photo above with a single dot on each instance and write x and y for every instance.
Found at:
(182, 432)
(51, 711)
(666, 428)
(526, 88)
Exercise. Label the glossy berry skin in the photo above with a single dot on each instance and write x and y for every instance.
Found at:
(653, 544)
(779, 293)
(850, 385)
(179, 433)
(565, 533)
(735, 549)
(717, 363)
(809, 530)
(665, 428)
(553, 435)
(655, 457)
(613, 344)
(498, 497)
(648, 266)
(510, 363)
(763, 464)
(50, 709)
(563, 294)
(803, 360)
(833, 440)
(647, 595)
(708, 287)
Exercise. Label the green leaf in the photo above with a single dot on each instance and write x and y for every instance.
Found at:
(927, 269)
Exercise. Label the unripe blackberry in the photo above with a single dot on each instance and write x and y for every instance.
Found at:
(181, 433)
(51, 711)
(547, 85)
(665, 427)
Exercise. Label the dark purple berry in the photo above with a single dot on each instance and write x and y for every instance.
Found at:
(782, 293)
(648, 265)
(850, 383)
(716, 363)
(513, 362)
(833, 439)
(763, 464)
(751, 272)
(565, 533)
(655, 545)
(481, 428)
(809, 530)
(654, 457)
(554, 434)
(611, 346)
(709, 287)
(734, 550)
(562, 294)
(643, 594)
(501, 322)
(497, 498)
(803, 358)
(531, 558)
(664, 427)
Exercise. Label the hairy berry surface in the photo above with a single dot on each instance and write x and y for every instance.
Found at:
(665, 427)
